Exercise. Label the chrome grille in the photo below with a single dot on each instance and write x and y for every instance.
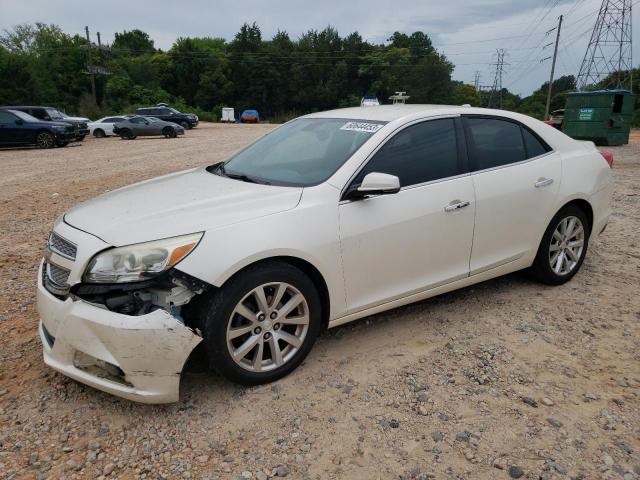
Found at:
(62, 246)
(57, 275)
(54, 279)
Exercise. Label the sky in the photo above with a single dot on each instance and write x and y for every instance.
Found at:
(467, 31)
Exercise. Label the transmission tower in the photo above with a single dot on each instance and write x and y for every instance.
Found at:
(476, 79)
(609, 50)
(496, 89)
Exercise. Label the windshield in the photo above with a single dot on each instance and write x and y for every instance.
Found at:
(152, 119)
(24, 116)
(303, 152)
(54, 114)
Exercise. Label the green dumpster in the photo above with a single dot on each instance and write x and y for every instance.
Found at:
(602, 116)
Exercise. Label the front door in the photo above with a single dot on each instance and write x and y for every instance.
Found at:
(419, 238)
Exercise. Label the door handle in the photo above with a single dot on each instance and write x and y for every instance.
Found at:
(456, 205)
(543, 182)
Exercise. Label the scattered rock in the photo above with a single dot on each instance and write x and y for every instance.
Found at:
(608, 460)
(108, 469)
(547, 402)
(394, 423)
(530, 401)
(554, 423)
(281, 471)
(437, 436)
(515, 471)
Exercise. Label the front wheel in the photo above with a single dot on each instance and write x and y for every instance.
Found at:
(563, 247)
(262, 324)
(45, 140)
(169, 132)
(99, 133)
(186, 125)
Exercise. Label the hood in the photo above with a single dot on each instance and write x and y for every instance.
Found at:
(177, 204)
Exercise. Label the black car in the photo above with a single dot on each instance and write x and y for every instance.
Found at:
(168, 114)
(19, 128)
(50, 114)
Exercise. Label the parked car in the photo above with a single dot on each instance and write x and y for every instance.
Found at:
(104, 126)
(19, 128)
(556, 119)
(50, 114)
(329, 218)
(250, 116)
(139, 126)
(168, 114)
(369, 101)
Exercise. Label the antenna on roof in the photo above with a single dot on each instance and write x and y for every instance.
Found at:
(399, 97)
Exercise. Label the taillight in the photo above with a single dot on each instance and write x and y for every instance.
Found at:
(608, 156)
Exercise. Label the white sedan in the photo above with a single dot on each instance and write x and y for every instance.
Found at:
(104, 126)
(331, 217)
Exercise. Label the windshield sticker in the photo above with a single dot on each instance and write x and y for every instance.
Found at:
(362, 127)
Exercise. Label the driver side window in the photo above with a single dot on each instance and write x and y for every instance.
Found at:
(418, 154)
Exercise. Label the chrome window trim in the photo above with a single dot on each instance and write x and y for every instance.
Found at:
(384, 142)
(507, 165)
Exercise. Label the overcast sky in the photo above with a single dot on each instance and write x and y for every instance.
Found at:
(467, 31)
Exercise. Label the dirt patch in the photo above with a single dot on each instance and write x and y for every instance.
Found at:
(485, 382)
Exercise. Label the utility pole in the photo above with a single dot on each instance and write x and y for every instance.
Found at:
(89, 67)
(553, 68)
(476, 79)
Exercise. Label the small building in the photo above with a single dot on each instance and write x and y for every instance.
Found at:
(602, 116)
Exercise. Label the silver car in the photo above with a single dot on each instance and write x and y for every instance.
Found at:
(139, 126)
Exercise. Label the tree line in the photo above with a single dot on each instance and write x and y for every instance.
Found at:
(280, 77)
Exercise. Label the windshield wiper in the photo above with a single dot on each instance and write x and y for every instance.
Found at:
(236, 176)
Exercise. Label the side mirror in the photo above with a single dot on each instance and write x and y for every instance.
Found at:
(373, 184)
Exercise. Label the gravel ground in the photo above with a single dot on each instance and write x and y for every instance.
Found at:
(506, 379)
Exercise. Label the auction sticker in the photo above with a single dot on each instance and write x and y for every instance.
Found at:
(362, 127)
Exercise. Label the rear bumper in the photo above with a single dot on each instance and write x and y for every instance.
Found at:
(139, 358)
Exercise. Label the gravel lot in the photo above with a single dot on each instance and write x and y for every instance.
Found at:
(506, 379)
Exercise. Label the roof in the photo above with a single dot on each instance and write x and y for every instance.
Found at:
(386, 113)
(26, 106)
(600, 92)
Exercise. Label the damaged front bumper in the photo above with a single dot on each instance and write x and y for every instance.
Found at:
(135, 357)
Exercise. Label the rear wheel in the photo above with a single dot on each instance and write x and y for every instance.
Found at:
(262, 324)
(45, 140)
(563, 247)
(99, 133)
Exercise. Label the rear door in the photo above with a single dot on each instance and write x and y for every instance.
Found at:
(516, 176)
(419, 238)
(8, 131)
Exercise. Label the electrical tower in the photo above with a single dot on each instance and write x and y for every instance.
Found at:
(496, 89)
(476, 79)
(609, 50)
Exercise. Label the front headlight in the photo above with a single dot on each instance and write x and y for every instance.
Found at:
(141, 261)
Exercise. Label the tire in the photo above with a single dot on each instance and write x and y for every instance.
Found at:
(169, 132)
(45, 140)
(62, 144)
(219, 317)
(99, 133)
(80, 138)
(557, 261)
(186, 125)
(126, 134)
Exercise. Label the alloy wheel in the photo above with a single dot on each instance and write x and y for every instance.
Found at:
(567, 245)
(44, 140)
(267, 327)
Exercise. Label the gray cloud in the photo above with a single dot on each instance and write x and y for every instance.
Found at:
(464, 30)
